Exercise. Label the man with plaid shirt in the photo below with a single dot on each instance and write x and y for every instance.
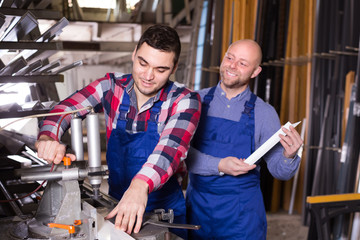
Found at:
(150, 122)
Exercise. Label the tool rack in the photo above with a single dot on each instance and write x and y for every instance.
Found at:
(19, 32)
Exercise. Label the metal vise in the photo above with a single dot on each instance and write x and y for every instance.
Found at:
(61, 202)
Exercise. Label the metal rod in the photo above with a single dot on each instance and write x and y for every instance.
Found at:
(70, 66)
(293, 191)
(43, 168)
(94, 150)
(77, 137)
(67, 174)
(172, 225)
(316, 182)
(33, 158)
(40, 176)
(12, 203)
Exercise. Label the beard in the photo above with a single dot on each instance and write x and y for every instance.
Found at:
(237, 81)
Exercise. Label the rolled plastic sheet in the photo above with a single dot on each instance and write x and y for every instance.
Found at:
(270, 143)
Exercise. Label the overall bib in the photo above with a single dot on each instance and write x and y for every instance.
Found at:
(127, 153)
(226, 207)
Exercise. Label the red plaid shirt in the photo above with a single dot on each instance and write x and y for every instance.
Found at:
(178, 119)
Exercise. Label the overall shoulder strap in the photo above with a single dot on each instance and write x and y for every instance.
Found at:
(207, 99)
(156, 108)
(250, 104)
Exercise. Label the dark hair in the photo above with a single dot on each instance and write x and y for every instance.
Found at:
(163, 38)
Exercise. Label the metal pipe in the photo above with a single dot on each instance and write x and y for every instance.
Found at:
(21, 171)
(93, 140)
(66, 174)
(77, 137)
(94, 150)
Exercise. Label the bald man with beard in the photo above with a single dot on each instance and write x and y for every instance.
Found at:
(224, 194)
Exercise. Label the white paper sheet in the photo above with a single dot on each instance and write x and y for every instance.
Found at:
(270, 143)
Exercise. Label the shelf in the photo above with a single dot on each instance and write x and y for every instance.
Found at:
(71, 46)
(32, 79)
(19, 114)
(38, 13)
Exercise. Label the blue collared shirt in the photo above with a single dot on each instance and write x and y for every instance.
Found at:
(266, 124)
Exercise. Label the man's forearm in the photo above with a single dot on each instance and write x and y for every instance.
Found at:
(201, 163)
(174, 142)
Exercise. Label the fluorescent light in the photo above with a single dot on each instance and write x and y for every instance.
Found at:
(130, 4)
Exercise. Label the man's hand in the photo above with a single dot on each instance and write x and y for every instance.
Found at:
(291, 142)
(131, 207)
(50, 150)
(234, 166)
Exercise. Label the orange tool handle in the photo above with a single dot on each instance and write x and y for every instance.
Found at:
(77, 222)
(70, 228)
(67, 161)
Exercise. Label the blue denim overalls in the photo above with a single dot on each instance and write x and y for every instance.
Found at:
(127, 153)
(226, 207)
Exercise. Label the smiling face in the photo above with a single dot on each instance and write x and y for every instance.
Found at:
(240, 64)
(151, 70)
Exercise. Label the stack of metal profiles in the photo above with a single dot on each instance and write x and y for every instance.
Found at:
(20, 34)
(333, 152)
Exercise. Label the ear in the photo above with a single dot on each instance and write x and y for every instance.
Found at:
(256, 72)
(133, 55)
(174, 69)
